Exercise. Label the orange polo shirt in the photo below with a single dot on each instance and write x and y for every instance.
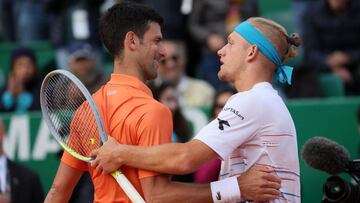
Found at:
(133, 117)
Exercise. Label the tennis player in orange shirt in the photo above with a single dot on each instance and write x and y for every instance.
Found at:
(132, 34)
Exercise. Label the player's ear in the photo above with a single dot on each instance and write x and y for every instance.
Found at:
(131, 40)
(252, 53)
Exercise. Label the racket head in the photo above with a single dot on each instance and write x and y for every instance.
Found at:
(71, 114)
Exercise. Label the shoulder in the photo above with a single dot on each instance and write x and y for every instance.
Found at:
(249, 104)
(154, 108)
(245, 99)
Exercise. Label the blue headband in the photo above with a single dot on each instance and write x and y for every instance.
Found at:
(253, 36)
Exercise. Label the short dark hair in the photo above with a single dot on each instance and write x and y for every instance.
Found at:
(122, 18)
(20, 52)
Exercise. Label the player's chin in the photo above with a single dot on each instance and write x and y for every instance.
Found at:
(152, 74)
(221, 75)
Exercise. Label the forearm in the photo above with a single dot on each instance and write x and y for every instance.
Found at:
(55, 196)
(183, 192)
(168, 158)
(161, 189)
(63, 185)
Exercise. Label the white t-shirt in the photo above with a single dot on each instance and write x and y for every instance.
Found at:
(256, 128)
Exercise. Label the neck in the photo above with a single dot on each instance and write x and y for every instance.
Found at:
(128, 67)
(253, 75)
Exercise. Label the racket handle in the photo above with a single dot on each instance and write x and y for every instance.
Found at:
(128, 188)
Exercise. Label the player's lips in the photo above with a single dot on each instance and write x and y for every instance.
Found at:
(221, 63)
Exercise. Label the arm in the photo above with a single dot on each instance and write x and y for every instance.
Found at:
(63, 185)
(256, 184)
(177, 158)
(161, 189)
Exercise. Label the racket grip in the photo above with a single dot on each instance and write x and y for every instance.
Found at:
(128, 188)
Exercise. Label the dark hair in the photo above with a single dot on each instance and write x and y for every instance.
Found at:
(29, 53)
(181, 125)
(219, 92)
(122, 18)
(20, 52)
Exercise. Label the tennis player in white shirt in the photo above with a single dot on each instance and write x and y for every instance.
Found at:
(254, 128)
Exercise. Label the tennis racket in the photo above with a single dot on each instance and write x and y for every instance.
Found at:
(74, 120)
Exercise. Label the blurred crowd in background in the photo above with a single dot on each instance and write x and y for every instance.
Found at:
(37, 36)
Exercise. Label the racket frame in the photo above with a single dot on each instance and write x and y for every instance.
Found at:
(118, 175)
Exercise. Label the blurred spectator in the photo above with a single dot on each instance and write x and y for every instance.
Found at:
(175, 14)
(221, 97)
(18, 184)
(174, 26)
(21, 93)
(192, 92)
(82, 63)
(23, 20)
(207, 27)
(209, 23)
(299, 9)
(240, 10)
(166, 94)
(73, 20)
(331, 39)
(210, 171)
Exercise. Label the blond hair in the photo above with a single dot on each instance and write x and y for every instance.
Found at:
(278, 36)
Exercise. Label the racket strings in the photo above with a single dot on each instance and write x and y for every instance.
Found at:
(71, 115)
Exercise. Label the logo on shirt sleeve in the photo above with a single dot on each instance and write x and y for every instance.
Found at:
(222, 123)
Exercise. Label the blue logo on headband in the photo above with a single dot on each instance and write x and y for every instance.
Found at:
(253, 36)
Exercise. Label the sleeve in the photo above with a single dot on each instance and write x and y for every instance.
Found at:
(78, 129)
(155, 128)
(73, 162)
(7, 102)
(236, 124)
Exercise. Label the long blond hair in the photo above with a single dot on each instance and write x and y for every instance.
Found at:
(278, 36)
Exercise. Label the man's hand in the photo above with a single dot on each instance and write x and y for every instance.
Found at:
(259, 184)
(344, 74)
(14, 86)
(338, 58)
(108, 157)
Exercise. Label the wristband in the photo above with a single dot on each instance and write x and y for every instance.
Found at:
(226, 190)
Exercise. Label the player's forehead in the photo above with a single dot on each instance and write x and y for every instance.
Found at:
(154, 31)
(234, 37)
